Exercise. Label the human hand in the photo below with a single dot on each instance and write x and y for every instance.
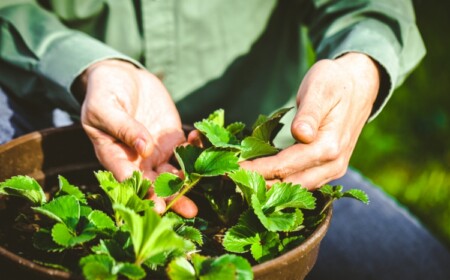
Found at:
(132, 122)
(334, 102)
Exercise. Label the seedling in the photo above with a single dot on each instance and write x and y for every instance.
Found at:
(115, 232)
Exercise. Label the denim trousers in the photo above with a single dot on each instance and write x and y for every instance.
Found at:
(381, 240)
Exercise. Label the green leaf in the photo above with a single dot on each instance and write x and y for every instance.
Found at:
(225, 271)
(336, 192)
(290, 243)
(130, 270)
(101, 221)
(264, 127)
(223, 267)
(66, 237)
(159, 260)
(181, 269)
(267, 248)
(64, 209)
(25, 187)
(186, 157)
(226, 267)
(240, 238)
(125, 193)
(61, 235)
(214, 162)
(235, 128)
(217, 117)
(106, 180)
(260, 120)
(150, 233)
(167, 184)
(357, 194)
(219, 136)
(65, 188)
(119, 246)
(279, 197)
(327, 190)
(299, 218)
(274, 221)
(286, 195)
(139, 205)
(98, 267)
(140, 184)
(249, 182)
(43, 240)
(253, 147)
(190, 233)
(85, 210)
(198, 261)
(118, 193)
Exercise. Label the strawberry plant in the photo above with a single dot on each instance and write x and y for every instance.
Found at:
(114, 232)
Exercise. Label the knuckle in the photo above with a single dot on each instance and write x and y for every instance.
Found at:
(280, 172)
(332, 151)
(123, 134)
(341, 167)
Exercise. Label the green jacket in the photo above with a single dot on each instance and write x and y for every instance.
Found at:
(247, 57)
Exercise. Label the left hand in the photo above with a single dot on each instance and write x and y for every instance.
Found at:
(334, 102)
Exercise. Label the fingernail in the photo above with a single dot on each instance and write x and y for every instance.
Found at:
(303, 132)
(140, 146)
(306, 129)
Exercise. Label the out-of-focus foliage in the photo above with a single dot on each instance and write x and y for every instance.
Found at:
(406, 150)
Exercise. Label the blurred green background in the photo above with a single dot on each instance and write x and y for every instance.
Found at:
(406, 148)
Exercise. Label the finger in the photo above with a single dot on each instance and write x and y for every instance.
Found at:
(167, 167)
(316, 177)
(288, 161)
(160, 204)
(195, 138)
(305, 125)
(125, 128)
(270, 183)
(185, 207)
(315, 100)
(132, 133)
(115, 156)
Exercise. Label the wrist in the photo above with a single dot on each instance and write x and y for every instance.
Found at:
(79, 86)
(365, 74)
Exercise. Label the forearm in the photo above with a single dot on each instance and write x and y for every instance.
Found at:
(40, 57)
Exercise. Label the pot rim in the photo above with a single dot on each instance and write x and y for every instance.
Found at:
(305, 247)
(286, 258)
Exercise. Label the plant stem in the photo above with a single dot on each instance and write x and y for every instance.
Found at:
(185, 189)
(327, 205)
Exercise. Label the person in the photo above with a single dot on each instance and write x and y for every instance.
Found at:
(131, 72)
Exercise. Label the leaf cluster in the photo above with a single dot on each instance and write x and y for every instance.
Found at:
(127, 238)
(254, 221)
(117, 233)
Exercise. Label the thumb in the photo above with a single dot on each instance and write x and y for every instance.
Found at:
(306, 122)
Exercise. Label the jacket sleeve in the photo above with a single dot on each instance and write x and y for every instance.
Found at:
(385, 30)
(40, 57)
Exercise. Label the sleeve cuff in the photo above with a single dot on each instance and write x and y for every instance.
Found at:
(375, 40)
(68, 55)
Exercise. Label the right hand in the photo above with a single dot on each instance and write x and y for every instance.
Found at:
(132, 122)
